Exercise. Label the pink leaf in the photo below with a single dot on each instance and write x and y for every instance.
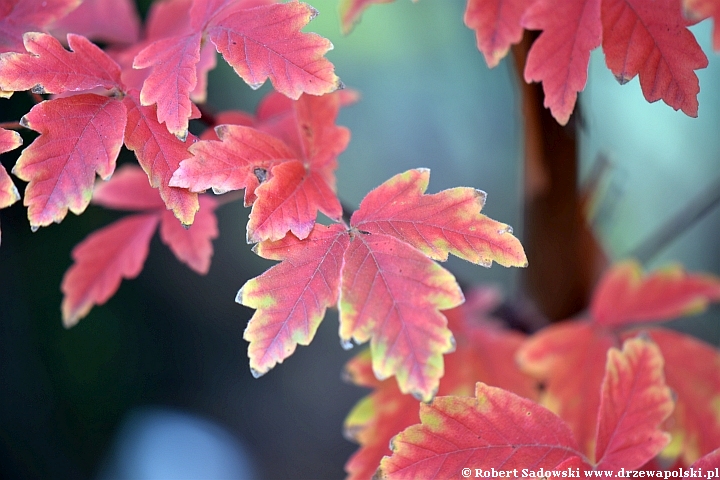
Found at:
(20, 16)
(79, 136)
(193, 245)
(650, 38)
(111, 21)
(559, 57)
(497, 26)
(102, 260)
(159, 154)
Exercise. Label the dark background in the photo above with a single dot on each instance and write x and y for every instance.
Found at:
(169, 344)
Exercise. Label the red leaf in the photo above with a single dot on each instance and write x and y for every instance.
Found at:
(110, 21)
(449, 221)
(624, 296)
(497, 429)
(9, 140)
(159, 154)
(49, 68)
(267, 42)
(701, 9)
(192, 246)
(559, 57)
(497, 26)
(485, 352)
(554, 356)
(634, 402)
(102, 260)
(691, 368)
(20, 16)
(291, 298)
(287, 165)
(233, 163)
(174, 75)
(391, 294)
(79, 136)
(119, 250)
(352, 10)
(650, 38)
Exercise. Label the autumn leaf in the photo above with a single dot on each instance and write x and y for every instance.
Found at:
(497, 26)
(501, 430)
(286, 163)
(624, 295)
(560, 56)
(20, 16)
(485, 352)
(159, 154)
(650, 38)
(259, 39)
(389, 292)
(60, 173)
(119, 250)
(50, 68)
(267, 42)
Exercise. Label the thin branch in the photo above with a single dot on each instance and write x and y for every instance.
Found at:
(694, 211)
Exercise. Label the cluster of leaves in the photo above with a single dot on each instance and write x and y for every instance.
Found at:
(645, 38)
(378, 269)
(379, 266)
(658, 395)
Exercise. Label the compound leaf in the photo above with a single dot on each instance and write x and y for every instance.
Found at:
(79, 136)
(9, 140)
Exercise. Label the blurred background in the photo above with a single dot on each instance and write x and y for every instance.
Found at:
(156, 384)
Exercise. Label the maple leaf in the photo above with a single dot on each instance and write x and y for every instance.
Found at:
(560, 56)
(485, 352)
(20, 16)
(285, 163)
(49, 68)
(497, 26)
(159, 154)
(651, 39)
(119, 250)
(9, 140)
(389, 291)
(111, 21)
(258, 39)
(60, 174)
(500, 430)
(555, 354)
